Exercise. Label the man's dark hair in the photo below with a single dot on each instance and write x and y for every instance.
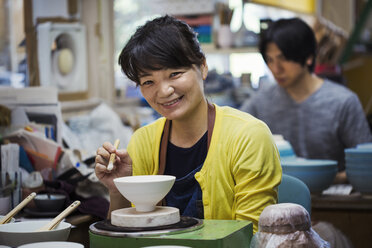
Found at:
(162, 43)
(294, 38)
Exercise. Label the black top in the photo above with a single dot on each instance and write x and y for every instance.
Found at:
(181, 161)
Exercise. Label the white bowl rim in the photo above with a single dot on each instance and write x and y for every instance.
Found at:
(5, 227)
(51, 244)
(144, 179)
(12, 220)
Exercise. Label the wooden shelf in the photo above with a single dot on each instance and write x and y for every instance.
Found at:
(303, 6)
(355, 201)
(211, 49)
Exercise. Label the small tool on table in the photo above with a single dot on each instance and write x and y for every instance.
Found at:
(110, 166)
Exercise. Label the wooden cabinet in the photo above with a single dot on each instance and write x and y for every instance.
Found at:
(351, 214)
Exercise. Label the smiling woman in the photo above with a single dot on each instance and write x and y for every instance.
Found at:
(225, 161)
(169, 67)
(168, 89)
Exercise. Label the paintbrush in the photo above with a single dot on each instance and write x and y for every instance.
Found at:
(110, 166)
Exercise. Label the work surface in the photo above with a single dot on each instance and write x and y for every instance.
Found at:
(352, 214)
(214, 233)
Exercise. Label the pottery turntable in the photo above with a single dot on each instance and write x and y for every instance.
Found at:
(147, 224)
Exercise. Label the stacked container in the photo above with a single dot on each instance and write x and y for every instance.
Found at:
(358, 163)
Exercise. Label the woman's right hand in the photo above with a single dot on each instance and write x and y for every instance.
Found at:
(122, 165)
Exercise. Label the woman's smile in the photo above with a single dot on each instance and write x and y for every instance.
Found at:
(172, 102)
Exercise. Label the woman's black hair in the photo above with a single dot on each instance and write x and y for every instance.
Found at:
(164, 42)
(294, 38)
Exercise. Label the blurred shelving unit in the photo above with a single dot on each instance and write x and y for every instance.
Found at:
(303, 6)
(355, 41)
(356, 59)
(211, 49)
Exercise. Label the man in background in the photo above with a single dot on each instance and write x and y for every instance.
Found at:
(318, 117)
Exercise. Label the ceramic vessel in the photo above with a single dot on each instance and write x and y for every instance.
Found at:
(360, 179)
(54, 244)
(358, 166)
(50, 202)
(19, 233)
(145, 191)
(317, 174)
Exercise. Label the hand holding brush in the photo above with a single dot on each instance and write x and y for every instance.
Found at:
(110, 166)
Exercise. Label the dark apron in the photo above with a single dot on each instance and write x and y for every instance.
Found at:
(186, 195)
(186, 191)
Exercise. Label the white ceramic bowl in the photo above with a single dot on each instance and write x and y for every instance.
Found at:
(19, 233)
(145, 191)
(56, 244)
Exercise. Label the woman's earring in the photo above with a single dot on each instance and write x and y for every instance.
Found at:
(309, 61)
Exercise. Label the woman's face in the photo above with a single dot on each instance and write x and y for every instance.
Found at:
(174, 93)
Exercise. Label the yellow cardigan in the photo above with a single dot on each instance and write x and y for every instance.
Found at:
(240, 174)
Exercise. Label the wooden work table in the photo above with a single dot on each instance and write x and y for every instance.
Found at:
(352, 214)
(80, 231)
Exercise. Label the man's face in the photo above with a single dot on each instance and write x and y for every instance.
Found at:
(287, 73)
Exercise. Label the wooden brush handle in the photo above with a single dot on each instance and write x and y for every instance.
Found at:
(15, 210)
(110, 166)
(60, 217)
